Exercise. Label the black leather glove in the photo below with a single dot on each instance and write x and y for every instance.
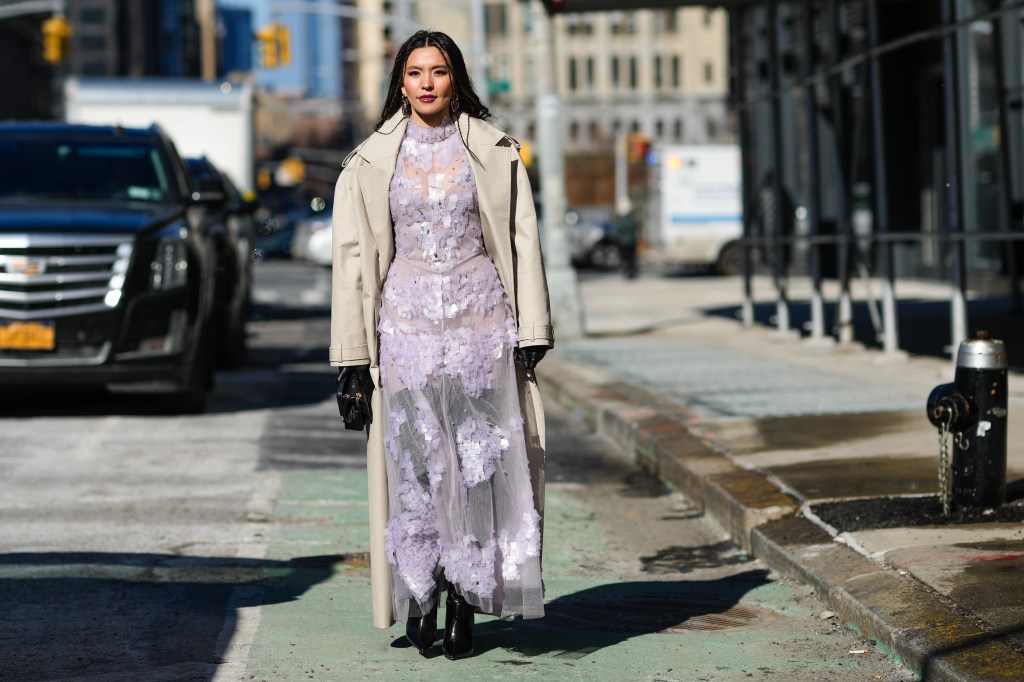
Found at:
(355, 389)
(528, 357)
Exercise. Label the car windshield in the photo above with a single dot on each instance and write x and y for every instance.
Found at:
(82, 169)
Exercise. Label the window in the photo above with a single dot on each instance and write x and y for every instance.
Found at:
(664, 21)
(622, 23)
(93, 42)
(659, 128)
(632, 73)
(573, 84)
(615, 72)
(707, 72)
(574, 131)
(95, 69)
(657, 72)
(671, 21)
(593, 130)
(590, 72)
(579, 25)
(712, 128)
(495, 19)
(635, 127)
(707, 17)
(87, 169)
(94, 15)
(676, 71)
(677, 130)
(530, 76)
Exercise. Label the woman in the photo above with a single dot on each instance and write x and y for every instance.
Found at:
(438, 293)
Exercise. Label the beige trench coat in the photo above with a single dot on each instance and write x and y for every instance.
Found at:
(363, 250)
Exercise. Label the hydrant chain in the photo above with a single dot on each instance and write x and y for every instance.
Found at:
(945, 492)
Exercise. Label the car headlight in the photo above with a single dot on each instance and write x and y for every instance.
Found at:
(169, 269)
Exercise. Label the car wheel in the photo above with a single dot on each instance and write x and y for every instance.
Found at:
(233, 348)
(730, 260)
(605, 256)
(191, 399)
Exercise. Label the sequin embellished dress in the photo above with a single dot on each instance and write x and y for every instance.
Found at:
(460, 499)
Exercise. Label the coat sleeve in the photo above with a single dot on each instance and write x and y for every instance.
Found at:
(532, 304)
(348, 329)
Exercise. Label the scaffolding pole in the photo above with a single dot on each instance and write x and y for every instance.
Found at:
(813, 173)
(954, 224)
(884, 249)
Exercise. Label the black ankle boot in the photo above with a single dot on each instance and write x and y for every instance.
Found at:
(458, 626)
(421, 630)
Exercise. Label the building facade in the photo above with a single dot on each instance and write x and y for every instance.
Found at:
(895, 129)
(387, 24)
(660, 72)
(133, 38)
(26, 80)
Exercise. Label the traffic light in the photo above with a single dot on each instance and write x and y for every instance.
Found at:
(275, 45)
(284, 44)
(56, 39)
(267, 39)
(637, 146)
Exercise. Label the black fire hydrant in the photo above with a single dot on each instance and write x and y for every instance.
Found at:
(973, 410)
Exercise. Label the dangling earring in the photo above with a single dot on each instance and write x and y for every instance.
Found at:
(406, 107)
(455, 104)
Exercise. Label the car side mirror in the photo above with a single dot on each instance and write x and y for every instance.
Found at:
(207, 198)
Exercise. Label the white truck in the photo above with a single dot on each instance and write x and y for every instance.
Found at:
(699, 212)
(214, 120)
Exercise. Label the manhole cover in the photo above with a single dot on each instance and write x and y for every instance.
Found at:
(645, 614)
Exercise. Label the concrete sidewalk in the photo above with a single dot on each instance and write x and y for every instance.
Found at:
(764, 431)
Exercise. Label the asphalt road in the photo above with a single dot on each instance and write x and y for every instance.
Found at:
(229, 546)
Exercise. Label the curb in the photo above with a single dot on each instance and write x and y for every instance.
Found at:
(914, 624)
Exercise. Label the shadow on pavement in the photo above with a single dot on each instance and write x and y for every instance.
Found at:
(578, 624)
(130, 616)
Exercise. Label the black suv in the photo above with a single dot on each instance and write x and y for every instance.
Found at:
(107, 264)
(233, 230)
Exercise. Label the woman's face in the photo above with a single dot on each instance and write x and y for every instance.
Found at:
(427, 83)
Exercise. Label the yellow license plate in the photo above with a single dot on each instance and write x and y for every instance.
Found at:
(28, 336)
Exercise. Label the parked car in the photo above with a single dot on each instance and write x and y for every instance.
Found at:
(306, 227)
(319, 248)
(591, 239)
(232, 227)
(275, 234)
(107, 263)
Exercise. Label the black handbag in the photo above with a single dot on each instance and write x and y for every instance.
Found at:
(355, 390)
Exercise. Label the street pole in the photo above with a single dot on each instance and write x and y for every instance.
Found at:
(480, 56)
(621, 169)
(566, 310)
(402, 26)
(207, 20)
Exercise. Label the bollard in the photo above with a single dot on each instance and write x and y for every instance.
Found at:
(974, 409)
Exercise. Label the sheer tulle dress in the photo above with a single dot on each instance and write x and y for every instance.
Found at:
(460, 500)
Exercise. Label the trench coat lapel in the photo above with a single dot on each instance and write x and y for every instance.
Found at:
(381, 153)
(492, 170)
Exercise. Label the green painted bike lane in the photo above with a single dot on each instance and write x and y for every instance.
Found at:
(605, 610)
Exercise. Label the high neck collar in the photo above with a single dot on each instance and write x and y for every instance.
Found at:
(422, 133)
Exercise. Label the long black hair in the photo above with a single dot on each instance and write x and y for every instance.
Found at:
(469, 101)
